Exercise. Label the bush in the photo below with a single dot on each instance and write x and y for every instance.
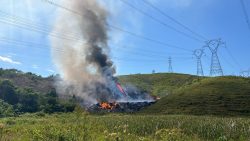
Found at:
(6, 109)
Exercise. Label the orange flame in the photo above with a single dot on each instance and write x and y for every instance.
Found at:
(108, 106)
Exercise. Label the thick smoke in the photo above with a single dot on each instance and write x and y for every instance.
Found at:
(82, 58)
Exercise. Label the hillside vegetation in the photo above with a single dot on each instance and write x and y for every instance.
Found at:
(187, 94)
(27, 80)
(215, 96)
(180, 94)
(159, 84)
(28, 93)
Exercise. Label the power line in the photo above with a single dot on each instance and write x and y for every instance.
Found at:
(46, 31)
(38, 46)
(190, 30)
(38, 28)
(120, 29)
(144, 54)
(14, 18)
(159, 21)
(234, 59)
(160, 11)
(150, 39)
(20, 23)
(173, 19)
(30, 28)
(117, 59)
(35, 23)
(147, 50)
(30, 25)
(245, 13)
(229, 63)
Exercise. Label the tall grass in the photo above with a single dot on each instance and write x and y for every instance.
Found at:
(84, 127)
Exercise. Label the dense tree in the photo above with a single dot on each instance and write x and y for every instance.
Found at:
(29, 102)
(52, 93)
(7, 92)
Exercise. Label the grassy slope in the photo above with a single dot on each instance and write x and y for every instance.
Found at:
(187, 94)
(159, 84)
(221, 95)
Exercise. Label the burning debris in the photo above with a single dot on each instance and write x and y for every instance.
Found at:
(119, 106)
(84, 64)
(107, 106)
(130, 105)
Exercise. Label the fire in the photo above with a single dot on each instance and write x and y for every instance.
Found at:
(113, 105)
(118, 85)
(108, 106)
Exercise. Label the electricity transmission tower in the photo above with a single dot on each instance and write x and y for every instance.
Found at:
(245, 73)
(198, 53)
(170, 69)
(215, 68)
(153, 71)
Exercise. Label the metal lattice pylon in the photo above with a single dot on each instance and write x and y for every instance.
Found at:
(170, 68)
(245, 73)
(198, 53)
(215, 68)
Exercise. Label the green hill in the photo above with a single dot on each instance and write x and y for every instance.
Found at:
(188, 94)
(215, 96)
(159, 84)
(27, 80)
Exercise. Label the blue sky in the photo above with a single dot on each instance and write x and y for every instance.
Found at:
(25, 45)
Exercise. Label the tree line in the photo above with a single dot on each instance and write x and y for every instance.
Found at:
(18, 100)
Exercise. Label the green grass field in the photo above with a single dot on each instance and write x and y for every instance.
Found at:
(112, 127)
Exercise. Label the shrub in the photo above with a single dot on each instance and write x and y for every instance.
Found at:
(6, 109)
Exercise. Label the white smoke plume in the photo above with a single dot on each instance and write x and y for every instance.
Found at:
(83, 63)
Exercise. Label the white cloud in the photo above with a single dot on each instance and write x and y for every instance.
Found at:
(9, 60)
